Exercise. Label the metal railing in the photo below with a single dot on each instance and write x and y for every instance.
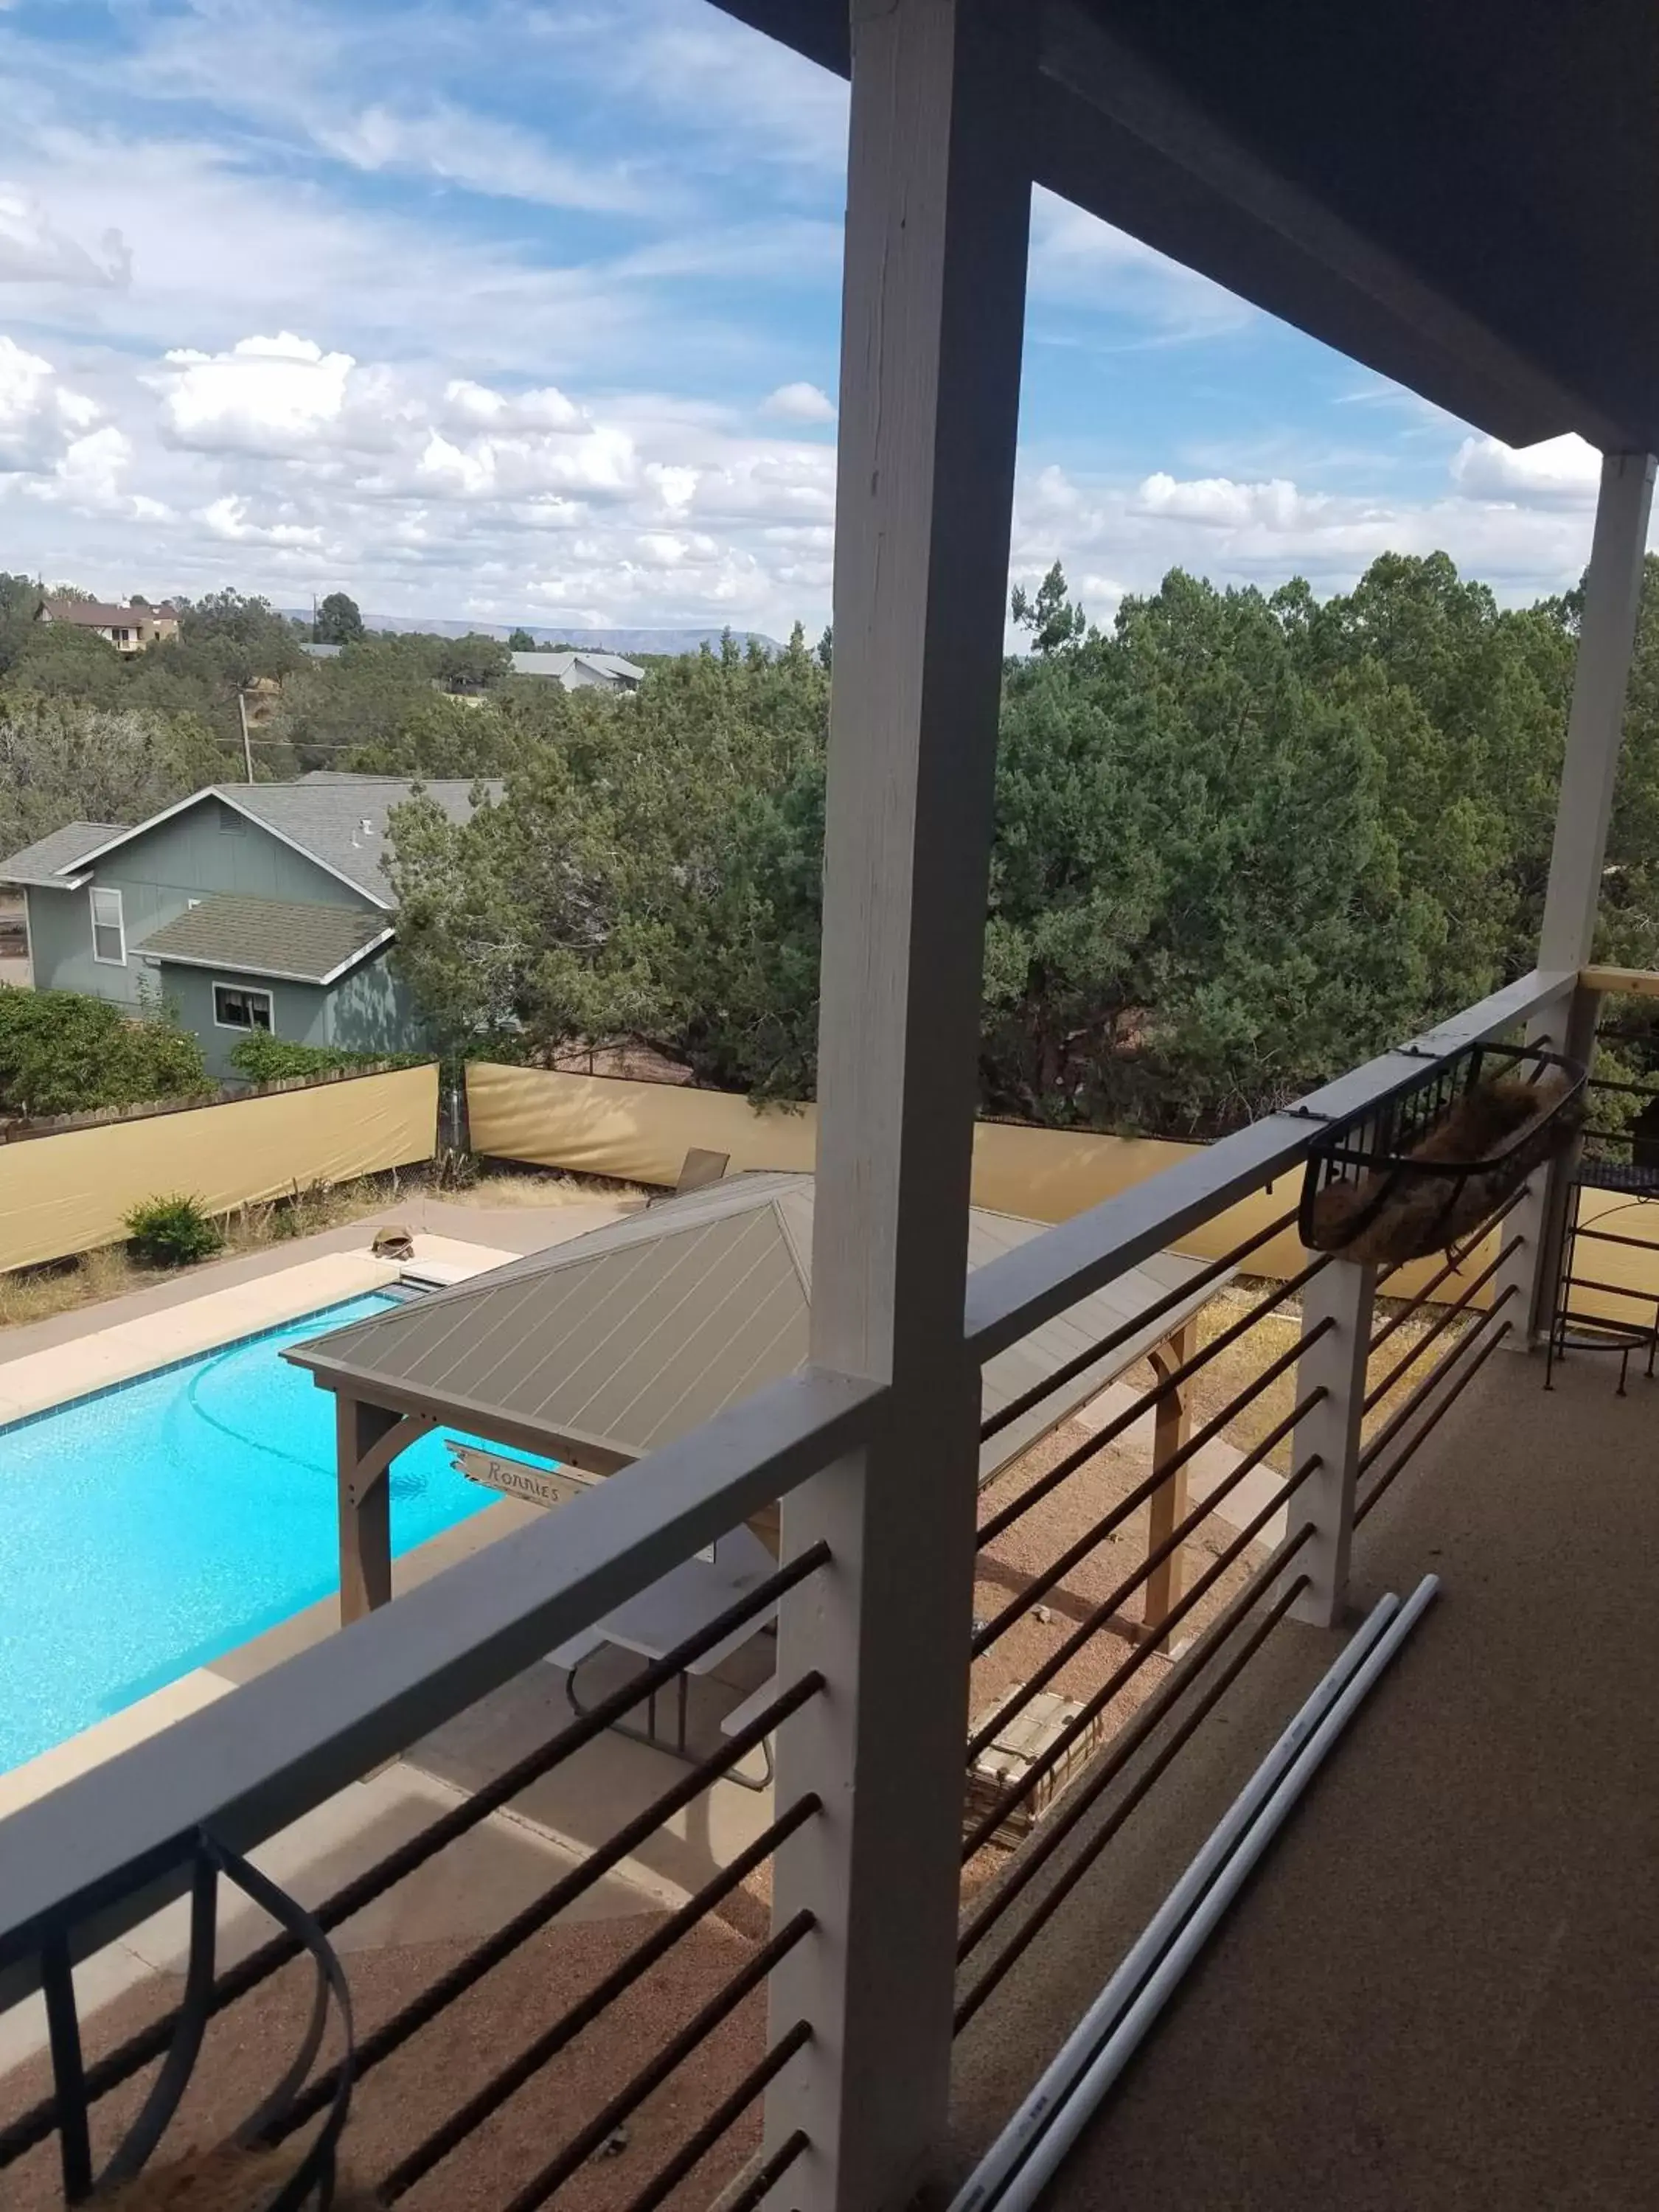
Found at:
(177, 2037)
(80, 1867)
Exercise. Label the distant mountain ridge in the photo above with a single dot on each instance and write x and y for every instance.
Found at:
(591, 641)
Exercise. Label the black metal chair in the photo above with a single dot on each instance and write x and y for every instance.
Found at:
(1574, 1329)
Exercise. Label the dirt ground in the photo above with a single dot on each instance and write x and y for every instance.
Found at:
(446, 2062)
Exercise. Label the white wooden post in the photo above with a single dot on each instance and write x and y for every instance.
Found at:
(1607, 636)
(938, 198)
(1343, 1294)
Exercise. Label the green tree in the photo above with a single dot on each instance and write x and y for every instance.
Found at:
(1049, 615)
(338, 621)
(64, 1054)
(474, 662)
(63, 761)
(521, 642)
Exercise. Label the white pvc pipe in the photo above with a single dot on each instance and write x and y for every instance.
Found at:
(1069, 2122)
(1080, 2047)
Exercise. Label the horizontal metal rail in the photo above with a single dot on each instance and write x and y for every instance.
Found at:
(107, 1849)
(1193, 1663)
(753, 2192)
(668, 2061)
(1097, 1703)
(1165, 1386)
(1039, 1393)
(128, 2058)
(1013, 1294)
(1110, 1523)
(720, 2122)
(1099, 1615)
(1381, 1482)
(1091, 1850)
(1373, 1450)
(394, 2031)
(1410, 1306)
(1442, 1321)
(448, 2136)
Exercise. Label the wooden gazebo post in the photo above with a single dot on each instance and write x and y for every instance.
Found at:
(366, 1439)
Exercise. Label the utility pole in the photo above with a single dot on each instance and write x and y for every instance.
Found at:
(247, 742)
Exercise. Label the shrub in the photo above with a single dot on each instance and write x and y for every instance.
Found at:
(173, 1232)
(264, 1059)
(64, 1054)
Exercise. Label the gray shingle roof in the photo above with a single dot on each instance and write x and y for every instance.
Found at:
(616, 1343)
(267, 937)
(341, 821)
(50, 859)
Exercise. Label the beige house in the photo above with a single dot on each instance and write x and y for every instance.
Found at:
(129, 629)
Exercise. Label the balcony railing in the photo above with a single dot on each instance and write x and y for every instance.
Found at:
(83, 1867)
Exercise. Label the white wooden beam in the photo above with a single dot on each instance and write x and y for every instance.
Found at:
(1336, 1361)
(939, 199)
(1613, 591)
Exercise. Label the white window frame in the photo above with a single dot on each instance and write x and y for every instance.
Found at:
(250, 1028)
(108, 891)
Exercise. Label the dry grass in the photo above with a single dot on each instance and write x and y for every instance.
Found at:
(32, 1294)
(550, 1189)
(1215, 1386)
(37, 1293)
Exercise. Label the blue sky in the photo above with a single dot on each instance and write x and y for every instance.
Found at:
(530, 312)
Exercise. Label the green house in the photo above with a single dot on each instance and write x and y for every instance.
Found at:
(247, 906)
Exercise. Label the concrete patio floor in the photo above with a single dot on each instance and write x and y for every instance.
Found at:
(1442, 1985)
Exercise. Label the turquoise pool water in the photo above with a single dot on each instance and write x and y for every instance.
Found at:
(146, 1530)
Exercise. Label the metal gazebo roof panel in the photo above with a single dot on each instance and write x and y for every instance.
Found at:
(614, 1344)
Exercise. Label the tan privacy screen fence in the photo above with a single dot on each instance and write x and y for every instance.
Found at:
(70, 1191)
(641, 1132)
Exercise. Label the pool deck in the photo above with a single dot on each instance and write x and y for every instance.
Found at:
(514, 1854)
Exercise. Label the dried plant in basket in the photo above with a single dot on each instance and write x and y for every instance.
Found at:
(1500, 1130)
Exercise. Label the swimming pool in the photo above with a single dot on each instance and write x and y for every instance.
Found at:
(147, 1529)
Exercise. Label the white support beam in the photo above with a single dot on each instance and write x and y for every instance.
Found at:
(1343, 1295)
(938, 198)
(1613, 591)
(1589, 773)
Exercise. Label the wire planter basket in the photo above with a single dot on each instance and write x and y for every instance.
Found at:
(1426, 1166)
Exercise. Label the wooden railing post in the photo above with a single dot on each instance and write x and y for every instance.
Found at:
(1172, 1423)
(1333, 1359)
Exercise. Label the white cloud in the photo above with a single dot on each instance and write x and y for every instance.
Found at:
(484, 155)
(33, 250)
(231, 519)
(40, 418)
(800, 403)
(266, 395)
(1218, 503)
(478, 405)
(1556, 472)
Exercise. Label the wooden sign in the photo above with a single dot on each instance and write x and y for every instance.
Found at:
(539, 1485)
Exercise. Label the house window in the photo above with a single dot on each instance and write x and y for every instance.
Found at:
(109, 936)
(235, 1008)
(230, 822)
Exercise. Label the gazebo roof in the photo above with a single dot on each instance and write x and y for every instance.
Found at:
(608, 1347)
